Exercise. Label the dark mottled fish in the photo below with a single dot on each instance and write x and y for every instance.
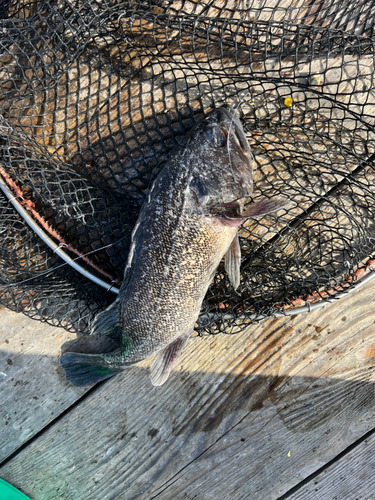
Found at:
(188, 224)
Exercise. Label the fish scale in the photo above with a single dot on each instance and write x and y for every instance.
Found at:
(178, 252)
(189, 222)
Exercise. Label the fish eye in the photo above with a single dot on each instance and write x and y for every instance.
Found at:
(210, 135)
(222, 137)
(217, 136)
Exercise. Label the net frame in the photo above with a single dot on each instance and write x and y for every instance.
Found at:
(170, 47)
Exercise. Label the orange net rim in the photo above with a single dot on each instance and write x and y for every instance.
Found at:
(311, 302)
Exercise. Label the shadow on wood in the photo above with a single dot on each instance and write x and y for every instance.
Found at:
(209, 434)
(244, 416)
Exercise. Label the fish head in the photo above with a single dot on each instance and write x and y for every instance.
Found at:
(222, 161)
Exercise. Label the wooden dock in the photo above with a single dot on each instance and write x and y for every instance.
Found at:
(285, 410)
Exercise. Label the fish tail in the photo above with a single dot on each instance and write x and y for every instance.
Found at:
(85, 369)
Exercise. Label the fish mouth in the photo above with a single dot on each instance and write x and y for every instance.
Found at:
(234, 208)
(230, 112)
(230, 213)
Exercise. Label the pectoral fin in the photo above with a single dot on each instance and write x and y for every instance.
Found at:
(233, 262)
(266, 206)
(165, 358)
(257, 209)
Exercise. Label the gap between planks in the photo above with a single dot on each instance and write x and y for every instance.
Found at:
(336, 460)
(213, 418)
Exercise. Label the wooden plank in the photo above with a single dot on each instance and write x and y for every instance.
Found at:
(245, 416)
(33, 391)
(350, 477)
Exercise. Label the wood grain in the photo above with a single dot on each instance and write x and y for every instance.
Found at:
(245, 416)
(33, 391)
(350, 477)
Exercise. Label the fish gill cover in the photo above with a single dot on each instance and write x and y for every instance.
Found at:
(94, 94)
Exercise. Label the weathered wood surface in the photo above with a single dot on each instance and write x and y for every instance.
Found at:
(247, 416)
(351, 477)
(33, 391)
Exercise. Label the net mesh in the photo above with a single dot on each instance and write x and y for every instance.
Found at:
(93, 96)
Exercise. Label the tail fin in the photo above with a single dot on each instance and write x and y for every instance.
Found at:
(85, 369)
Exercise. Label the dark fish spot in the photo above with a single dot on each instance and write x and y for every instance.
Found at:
(318, 329)
(6, 341)
(152, 432)
(343, 318)
(9, 362)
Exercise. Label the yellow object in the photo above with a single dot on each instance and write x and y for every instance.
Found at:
(288, 455)
(288, 101)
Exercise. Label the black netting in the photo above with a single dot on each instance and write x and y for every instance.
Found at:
(93, 96)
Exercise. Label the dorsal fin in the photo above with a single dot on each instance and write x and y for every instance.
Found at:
(128, 273)
(107, 323)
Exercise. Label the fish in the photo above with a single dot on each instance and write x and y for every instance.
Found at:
(188, 223)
